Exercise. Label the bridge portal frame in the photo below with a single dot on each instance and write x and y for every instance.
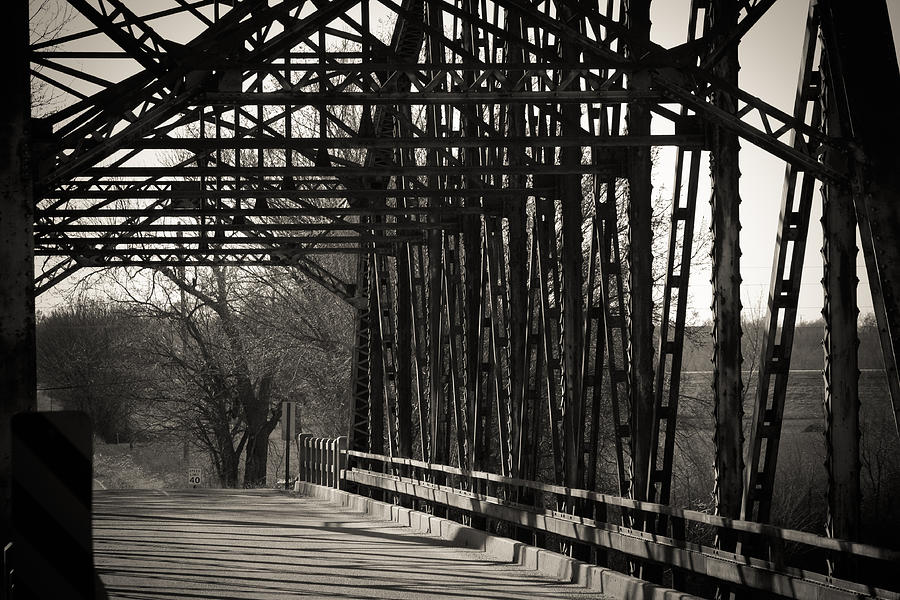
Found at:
(478, 321)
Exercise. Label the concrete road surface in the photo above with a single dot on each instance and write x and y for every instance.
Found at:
(223, 544)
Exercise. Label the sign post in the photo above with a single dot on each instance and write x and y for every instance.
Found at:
(289, 414)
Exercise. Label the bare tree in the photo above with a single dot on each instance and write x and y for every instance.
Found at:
(228, 347)
(46, 21)
(86, 357)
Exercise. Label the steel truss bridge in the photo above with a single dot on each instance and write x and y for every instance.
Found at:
(476, 157)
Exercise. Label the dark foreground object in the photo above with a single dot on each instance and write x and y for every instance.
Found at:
(50, 556)
(266, 544)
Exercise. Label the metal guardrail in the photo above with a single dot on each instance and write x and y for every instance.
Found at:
(322, 459)
(614, 524)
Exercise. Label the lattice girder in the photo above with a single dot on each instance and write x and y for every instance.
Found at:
(459, 148)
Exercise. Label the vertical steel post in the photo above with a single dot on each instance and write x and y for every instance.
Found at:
(548, 289)
(672, 326)
(360, 429)
(323, 461)
(376, 376)
(784, 294)
(315, 456)
(572, 317)
(518, 248)
(416, 259)
(403, 267)
(640, 260)
(404, 354)
(841, 361)
(849, 112)
(340, 460)
(17, 349)
(497, 338)
(527, 440)
(383, 291)
(726, 279)
(454, 322)
(439, 431)
(863, 72)
(518, 323)
(332, 462)
(303, 458)
(476, 404)
(322, 466)
(327, 455)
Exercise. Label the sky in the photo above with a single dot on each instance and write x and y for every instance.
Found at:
(770, 65)
(769, 56)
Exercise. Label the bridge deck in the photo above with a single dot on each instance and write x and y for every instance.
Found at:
(266, 544)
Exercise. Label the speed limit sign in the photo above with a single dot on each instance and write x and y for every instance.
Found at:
(195, 476)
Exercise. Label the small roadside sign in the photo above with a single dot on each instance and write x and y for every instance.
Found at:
(195, 476)
(290, 416)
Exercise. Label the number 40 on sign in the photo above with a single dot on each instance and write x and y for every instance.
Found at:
(195, 477)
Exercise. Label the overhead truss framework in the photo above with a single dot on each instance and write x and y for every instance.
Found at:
(481, 158)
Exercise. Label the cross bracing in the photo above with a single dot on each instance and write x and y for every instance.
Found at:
(478, 157)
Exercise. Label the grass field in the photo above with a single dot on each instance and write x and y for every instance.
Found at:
(147, 465)
(801, 479)
(803, 409)
(160, 464)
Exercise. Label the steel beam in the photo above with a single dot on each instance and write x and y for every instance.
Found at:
(571, 292)
(350, 171)
(470, 141)
(840, 342)
(640, 262)
(499, 352)
(405, 364)
(548, 292)
(672, 330)
(454, 325)
(516, 218)
(465, 96)
(439, 436)
(784, 295)
(360, 428)
(146, 49)
(418, 330)
(496, 122)
(17, 341)
(528, 429)
(858, 43)
(377, 434)
(726, 279)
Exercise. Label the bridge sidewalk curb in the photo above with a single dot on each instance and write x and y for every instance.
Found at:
(551, 564)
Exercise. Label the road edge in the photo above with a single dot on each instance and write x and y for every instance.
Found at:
(551, 564)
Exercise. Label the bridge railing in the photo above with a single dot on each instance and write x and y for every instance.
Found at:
(322, 459)
(784, 562)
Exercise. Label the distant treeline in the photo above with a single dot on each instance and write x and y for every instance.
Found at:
(807, 350)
